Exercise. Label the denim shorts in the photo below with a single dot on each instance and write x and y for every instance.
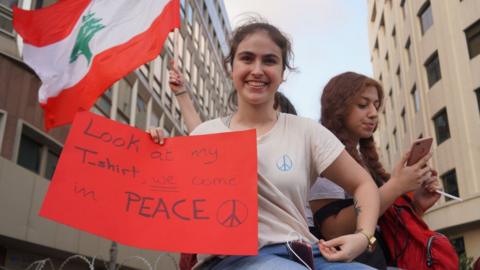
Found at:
(277, 257)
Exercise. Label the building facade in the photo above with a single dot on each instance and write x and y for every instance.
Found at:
(426, 54)
(142, 99)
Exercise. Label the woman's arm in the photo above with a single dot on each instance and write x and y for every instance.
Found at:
(177, 85)
(348, 174)
(403, 179)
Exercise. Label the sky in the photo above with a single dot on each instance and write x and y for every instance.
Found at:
(329, 37)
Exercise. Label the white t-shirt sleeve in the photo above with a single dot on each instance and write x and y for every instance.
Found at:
(325, 147)
(325, 189)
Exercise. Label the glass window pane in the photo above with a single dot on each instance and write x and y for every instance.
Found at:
(426, 18)
(141, 113)
(154, 119)
(52, 160)
(450, 184)
(124, 99)
(473, 39)
(29, 154)
(441, 126)
(6, 20)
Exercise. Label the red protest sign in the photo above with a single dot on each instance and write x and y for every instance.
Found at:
(195, 194)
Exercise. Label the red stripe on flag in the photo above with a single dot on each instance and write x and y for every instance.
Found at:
(48, 25)
(110, 66)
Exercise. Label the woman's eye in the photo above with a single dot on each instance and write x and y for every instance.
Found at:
(362, 106)
(270, 61)
(246, 58)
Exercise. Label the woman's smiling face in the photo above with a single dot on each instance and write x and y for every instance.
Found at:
(257, 68)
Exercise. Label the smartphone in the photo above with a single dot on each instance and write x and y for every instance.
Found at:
(419, 149)
(304, 251)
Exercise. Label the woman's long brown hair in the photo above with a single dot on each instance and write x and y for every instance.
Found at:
(337, 100)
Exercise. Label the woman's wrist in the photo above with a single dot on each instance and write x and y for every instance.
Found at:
(417, 208)
(394, 186)
(180, 93)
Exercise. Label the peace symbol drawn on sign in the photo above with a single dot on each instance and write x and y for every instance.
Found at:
(232, 213)
(285, 163)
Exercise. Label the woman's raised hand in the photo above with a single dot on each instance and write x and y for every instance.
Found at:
(409, 178)
(175, 78)
(426, 196)
(157, 135)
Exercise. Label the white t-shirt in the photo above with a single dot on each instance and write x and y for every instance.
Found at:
(323, 189)
(290, 157)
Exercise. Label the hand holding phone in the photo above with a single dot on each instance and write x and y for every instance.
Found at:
(419, 149)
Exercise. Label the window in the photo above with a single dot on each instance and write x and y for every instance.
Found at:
(145, 70)
(189, 14)
(29, 154)
(6, 17)
(182, 9)
(472, 34)
(3, 122)
(404, 121)
(104, 104)
(124, 101)
(459, 245)
(141, 113)
(426, 17)
(477, 92)
(416, 98)
(449, 181)
(408, 51)
(385, 116)
(432, 66)
(42, 3)
(390, 97)
(395, 139)
(387, 148)
(374, 12)
(387, 61)
(37, 152)
(52, 160)
(157, 74)
(394, 37)
(399, 78)
(440, 121)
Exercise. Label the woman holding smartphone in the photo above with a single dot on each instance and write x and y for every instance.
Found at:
(350, 104)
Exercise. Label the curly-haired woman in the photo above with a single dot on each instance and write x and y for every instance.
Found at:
(350, 104)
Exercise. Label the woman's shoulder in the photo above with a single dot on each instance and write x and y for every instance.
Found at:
(210, 126)
(303, 123)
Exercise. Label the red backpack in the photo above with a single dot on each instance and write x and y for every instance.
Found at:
(411, 243)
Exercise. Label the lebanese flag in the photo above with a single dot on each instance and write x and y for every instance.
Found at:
(79, 48)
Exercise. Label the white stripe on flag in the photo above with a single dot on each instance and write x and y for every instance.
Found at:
(123, 19)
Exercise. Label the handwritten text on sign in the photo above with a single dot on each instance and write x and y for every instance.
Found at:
(194, 194)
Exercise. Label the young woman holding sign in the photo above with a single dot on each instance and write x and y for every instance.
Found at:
(192, 120)
(291, 151)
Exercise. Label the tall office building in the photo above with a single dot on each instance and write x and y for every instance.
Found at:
(142, 99)
(427, 56)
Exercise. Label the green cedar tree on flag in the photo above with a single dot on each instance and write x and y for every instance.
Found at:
(79, 48)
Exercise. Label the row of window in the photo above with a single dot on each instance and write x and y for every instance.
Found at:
(36, 151)
(432, 64)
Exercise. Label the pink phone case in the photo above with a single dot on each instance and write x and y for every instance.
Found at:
(419, 149)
